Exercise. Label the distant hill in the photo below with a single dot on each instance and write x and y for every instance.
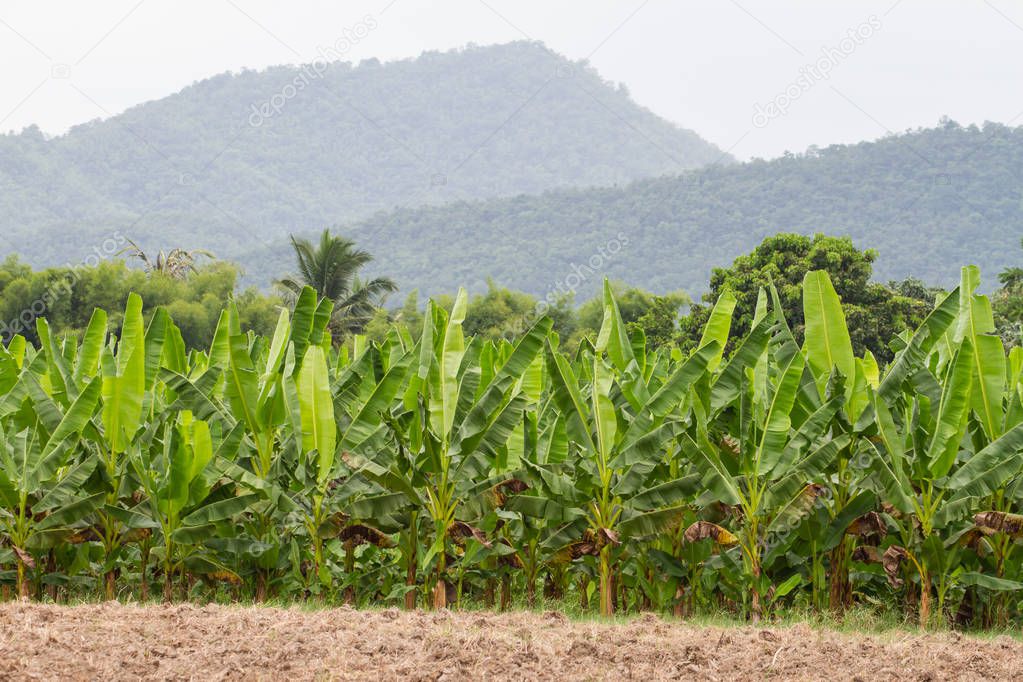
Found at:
(242, 159)
(929, 201)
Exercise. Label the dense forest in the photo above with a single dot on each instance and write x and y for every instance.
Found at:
(247, 157)
(928, 201)
(193, 288)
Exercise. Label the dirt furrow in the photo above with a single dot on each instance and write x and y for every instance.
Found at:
(183, 642)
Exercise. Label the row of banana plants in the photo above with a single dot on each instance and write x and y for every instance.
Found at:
(442, 470)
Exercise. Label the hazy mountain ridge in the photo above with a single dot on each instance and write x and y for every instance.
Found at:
(252, 156)
(929, 201)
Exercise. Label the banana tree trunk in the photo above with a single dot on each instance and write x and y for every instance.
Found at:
(440, 595)
(260, 585)
(553, 584)
(410, 569)
(143, 569)
(350, 572)
(756, 609)
(912, 597)
(51, 567)
(505, 592)
(619, 601)
(819, 586)
(532, 570)
(23, 587)
(410, 582)
(752, 561)
(606, 583)
(110, 585)
(1000, 605)
(489, 590)
(318, 562)
(187, 583)
(679, 609)
(925, 597)
(840, 589)
(440, 588)
(644, 598)
(168, 585)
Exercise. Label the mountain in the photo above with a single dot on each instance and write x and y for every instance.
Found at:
(928, 201)
(247, 158)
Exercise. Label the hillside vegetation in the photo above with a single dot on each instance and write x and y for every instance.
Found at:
(928, 201)
(242, 158)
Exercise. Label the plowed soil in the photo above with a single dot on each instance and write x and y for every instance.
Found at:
(183, 642)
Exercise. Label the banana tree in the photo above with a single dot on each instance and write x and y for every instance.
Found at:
(454, 419)
(186, 498)
(364, 393)
(216, 388)
(996, 396)
(618, 422)
(833, 366)
(995, 540)
(41, 498)
(316, 433)
(770, 448)
(538, 499)
(243, 382)
(128, 370)
(253, 380)
(949, 436)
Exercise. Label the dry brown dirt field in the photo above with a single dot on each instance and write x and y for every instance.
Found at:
(182, 642)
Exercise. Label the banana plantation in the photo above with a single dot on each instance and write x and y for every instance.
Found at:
(751, 476)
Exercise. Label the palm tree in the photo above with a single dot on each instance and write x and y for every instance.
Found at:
(176, 264)
(331, 268)
(1011, 278)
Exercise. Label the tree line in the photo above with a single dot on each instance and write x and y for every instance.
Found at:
(192, 286)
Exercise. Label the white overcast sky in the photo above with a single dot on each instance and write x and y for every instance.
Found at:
(704, 65)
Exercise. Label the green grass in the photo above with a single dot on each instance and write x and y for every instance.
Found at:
(877, 619)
